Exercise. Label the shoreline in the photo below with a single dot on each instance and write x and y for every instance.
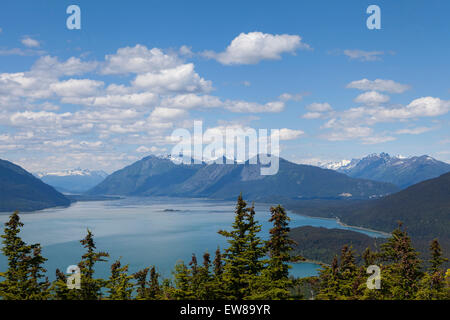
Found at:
(338, 220)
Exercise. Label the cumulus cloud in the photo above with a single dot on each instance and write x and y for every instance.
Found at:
(76, 87)
(253, 107)
(317, 110)
(143, 99)
(182, 78)
(319, 107)
(139, 59)
(48, 66)
(289, 96)
(354, 123)
(162, 113)
(371, 98)
(418, 130)
(378, 85)
(289, 134)
(29, 42)
(364, 55)
(251, 48)
(312, 115)
(189, 101)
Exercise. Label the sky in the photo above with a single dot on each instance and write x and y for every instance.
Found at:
(112, 92)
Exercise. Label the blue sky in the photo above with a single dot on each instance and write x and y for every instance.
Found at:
(110, 93)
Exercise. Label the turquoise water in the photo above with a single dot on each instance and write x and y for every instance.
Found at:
(143, 232)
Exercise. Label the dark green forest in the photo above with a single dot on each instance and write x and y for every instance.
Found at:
(249, 268)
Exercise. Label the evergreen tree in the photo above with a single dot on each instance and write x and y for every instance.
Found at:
(141, 284)
(329, 281)
(60, 290)
(24, 278)
(242, 256)
(119, 283)
(402, 275)
(183, 283)
(280, 247)
(432, 285)
(90, 286)
(155, 291)
(218, 264)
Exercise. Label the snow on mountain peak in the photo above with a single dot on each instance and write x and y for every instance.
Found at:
(71, 172)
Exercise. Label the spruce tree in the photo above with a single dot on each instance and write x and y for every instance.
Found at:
(243, 253)
(90, 286)
(155, 290)
(183, 282)
(432, 285)
(119, 283)
(402, 274)
(280, 247)
(141, 284)
(24, 279)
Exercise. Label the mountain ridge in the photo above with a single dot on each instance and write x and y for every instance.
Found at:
(401, 171)
(20, 190)
(154, 175)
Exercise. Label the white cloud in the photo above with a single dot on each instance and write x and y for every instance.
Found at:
(182, 78)
(144, 149)
(116, 100)
(319, 107)
(289, 134)
(162, 113)
(377, 139)
(29, 42)
(253, 107)
(76, 87)
(251, 48)
(48, 66)
(288, 96)
(186, 51)
(418, 130)
(312, 115)
(364, 55)
(139, 59)
(371, 98)
(348, 133)
(378, 85)
(189, 101)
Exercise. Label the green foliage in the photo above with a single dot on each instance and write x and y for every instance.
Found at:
(119, 283)
(275, 282)
(249, 269)
(90, 286)
(242, 259)
(24, 279)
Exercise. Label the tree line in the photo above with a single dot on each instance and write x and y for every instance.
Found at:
(249, 268)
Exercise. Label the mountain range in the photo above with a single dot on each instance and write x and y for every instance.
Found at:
(159, 176)
(20, 190)
(401, 171)
(72, 181)
(423, 208)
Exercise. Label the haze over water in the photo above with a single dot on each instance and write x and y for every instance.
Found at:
(145, 231)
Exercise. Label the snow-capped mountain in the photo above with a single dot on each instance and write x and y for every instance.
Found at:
(73, 180)
(399, 170)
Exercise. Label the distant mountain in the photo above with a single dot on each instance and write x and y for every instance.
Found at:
(160, 176)
(424, 209)
(72, 181)
(398, 170)
(20, 190)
